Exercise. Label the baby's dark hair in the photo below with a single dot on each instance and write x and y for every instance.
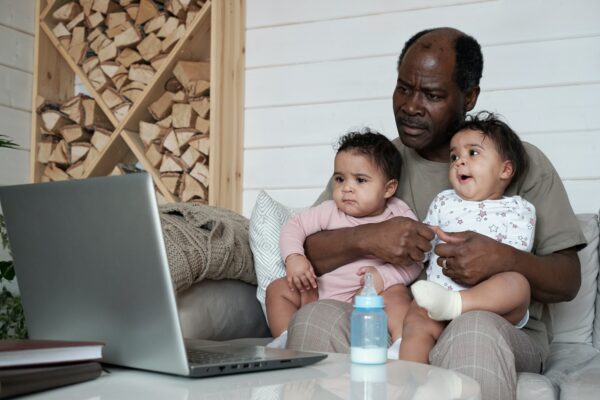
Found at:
(380, 150)
(507, 142)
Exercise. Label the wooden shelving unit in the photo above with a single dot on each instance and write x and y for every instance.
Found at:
(214, 35)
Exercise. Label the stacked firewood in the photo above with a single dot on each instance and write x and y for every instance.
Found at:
(73, 135)
(177, 139)
(121, 44)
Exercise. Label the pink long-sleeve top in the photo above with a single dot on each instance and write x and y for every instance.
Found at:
(342, 283)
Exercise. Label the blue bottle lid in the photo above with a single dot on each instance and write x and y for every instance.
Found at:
(368, 297)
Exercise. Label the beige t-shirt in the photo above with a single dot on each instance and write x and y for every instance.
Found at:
(557, 227)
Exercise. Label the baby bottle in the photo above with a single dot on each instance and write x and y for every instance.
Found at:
(368, 327)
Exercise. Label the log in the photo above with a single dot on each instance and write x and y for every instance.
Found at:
(105, 6)
(202, 125)
(128, 38)
(172, 85)
(198, 89)
(76, 170)
(161, 107)
(93, 20)
(78, 46)
(73, 108)
(121, 110)
(172, 181)
(61, 31)
(93, 116)
(91, 158)
(100, 138)
(179, 97)
(116, 19)
(150, 133)
(193, 189)
(98, 80)
(173, 38)
(150, 47)
(201, 107)
(171, 163)
(155, 24)
(171, 143)
(201, 173)
(45, 149)
(87, 6)
(74, 133)
(89, 64)
(190, 157)
(108, 51)
(182, 115)
(188, 72)
(67, 12)
(132, 94)
(54, 120)
(200, 143)
(99, 42)
(147, 11)
(112, 98)
(184, 135)
(141, 73)
(132, 10)
(79, 150)
(120, 80)
(158, 61)
(54, 173)
(154, 155)
(128, 56)
(112, 68)
(60, 155)
(166, 122)
(76, 21)
(168, 27)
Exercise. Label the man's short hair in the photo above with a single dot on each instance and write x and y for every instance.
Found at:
(378, 148)
(507, 142)
(469, 59)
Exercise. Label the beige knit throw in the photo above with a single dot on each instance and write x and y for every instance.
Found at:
(206, 242)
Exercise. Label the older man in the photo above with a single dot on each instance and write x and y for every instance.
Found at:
(438, 83)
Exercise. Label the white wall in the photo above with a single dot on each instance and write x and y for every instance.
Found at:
(16, 66)
(316, 68)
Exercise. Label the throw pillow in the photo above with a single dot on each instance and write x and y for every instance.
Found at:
(266, 220)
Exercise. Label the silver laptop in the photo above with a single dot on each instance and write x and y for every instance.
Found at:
(91, 265)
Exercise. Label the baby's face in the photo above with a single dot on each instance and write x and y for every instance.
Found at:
(360, 189)
(477, 171)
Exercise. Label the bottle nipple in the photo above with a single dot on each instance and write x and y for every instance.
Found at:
(368, 288)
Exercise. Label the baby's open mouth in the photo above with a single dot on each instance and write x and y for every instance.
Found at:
(464, 177)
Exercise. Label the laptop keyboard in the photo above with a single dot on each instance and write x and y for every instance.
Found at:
(198, 356)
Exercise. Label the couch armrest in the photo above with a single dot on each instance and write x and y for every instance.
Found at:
(221, 310)
(534, 386)
(583, 383)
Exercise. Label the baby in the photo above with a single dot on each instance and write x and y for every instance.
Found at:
(485, 157)
(365, 178)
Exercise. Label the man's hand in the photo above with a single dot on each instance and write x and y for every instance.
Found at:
(399, 241)
(377, 279)
(469, 258)
(300, 273)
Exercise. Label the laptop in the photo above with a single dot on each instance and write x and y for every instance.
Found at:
(92, 266)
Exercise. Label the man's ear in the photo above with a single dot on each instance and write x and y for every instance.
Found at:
(471, 98)
(390, 188)
(508, 170)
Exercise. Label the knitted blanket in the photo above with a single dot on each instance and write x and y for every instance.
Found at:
(204, 242)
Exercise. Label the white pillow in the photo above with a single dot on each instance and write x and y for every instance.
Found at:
(266, 220)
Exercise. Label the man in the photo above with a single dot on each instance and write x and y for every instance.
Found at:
(438, 83)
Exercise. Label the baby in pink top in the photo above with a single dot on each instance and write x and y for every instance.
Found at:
(365, 179)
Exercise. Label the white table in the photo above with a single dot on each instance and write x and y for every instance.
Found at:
(333, 378)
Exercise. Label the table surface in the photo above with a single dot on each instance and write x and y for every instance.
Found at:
(333, 378)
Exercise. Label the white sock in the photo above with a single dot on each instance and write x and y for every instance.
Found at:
(393, 352)
(279, 342)
(441, 304)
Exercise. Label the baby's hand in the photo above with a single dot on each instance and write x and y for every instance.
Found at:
(377, 279)
(300, 273)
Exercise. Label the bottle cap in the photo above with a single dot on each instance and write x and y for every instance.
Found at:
(368, 297)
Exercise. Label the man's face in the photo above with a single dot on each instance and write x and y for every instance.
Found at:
(428, 104)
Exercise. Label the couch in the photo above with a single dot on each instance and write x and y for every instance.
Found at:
(228, 310)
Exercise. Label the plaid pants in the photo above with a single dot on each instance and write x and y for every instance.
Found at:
(478, 344)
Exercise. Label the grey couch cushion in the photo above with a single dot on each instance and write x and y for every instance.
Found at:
(572, 321)
(221, 310)
(535, 386)
(565, 358)
(583, 384)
